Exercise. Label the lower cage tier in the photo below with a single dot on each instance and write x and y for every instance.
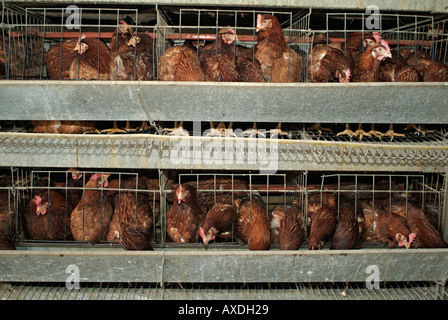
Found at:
(280, 228)
(220, 209)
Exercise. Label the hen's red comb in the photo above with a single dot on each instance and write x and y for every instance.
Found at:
(377, 37)
(123, 22)
(412, 237)
(348, 74)
(385, 44)
(37, 200)
(96, 176)
(201, 233)
(258, 19)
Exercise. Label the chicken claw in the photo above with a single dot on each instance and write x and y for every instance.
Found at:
(347, 131)
(391, 133)
(113, 130)
(253, 132)
(318, 127)
(214, 132)
(361, 133)
(178, 130)
(420, 129)
(375, 133)
(278, 131)
(228, 132)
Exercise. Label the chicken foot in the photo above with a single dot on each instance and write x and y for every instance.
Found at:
(420, 129)
(361, 133)
(374, 132)
(115, 129)
(347, 132)
(278, 131)
(318, 127)
(215, 132)
(178, 130)
(391, 133)
(253, 132)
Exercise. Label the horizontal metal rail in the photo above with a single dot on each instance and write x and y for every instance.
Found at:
(172, 101)
(422, 6)
(225, 266)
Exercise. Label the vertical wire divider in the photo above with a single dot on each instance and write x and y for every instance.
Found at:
(26, 45)
(135, 46)
(80, 35)
(98, 41)
(41, 70)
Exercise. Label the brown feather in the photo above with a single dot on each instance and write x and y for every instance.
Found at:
(220, 221)
(252, 224)
(90, 219)
(278, 62)
(426, 235)
(94, 63)
(131, 210)
(380, 226)
(322, 219)
(59, 59)
(290, 233)
(346, 235)
(51, 225)
(184, 215)
(180, 64)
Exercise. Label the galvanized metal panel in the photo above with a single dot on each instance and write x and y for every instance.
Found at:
(408, 5)
(170, 101)
(224, 265)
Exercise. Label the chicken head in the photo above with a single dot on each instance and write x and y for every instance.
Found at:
(183, 193)
(402, 241)
(381, 53)
(102, 179)
(41, 208)
(81, 47)
(263, 22)
(228, 35)
(124, 27)
(206, 238)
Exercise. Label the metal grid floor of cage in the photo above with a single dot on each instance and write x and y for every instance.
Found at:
(222, 291)
(409, 153)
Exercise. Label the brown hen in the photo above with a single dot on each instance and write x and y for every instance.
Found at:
(90, 219)
(252, 224)
(278, 61)
(47, 217)
(184, 216)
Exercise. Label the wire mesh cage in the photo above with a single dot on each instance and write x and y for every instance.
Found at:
(387, 204)
(68, 207)
(127, 43)
(231, 189)
(79, 207)
(414, 40)
(203, 28)
(41, 43)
